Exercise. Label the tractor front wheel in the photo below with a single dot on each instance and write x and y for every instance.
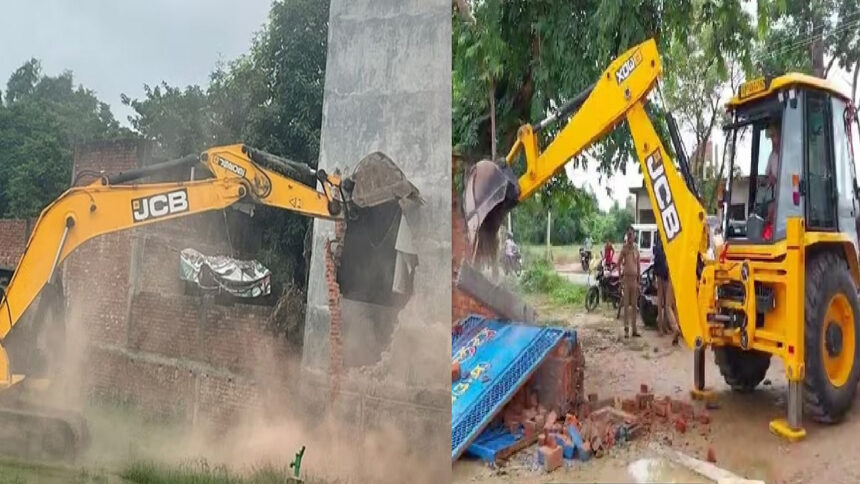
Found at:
(830, 338)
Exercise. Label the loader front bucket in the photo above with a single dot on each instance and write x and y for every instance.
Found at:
(491, 192)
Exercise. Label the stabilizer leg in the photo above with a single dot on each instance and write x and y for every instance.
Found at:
(791, 429)
(699, 392)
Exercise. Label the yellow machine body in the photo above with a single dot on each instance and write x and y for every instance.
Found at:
(698, 268)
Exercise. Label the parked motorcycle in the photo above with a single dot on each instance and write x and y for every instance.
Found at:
(648, 297)
(606, 289)
(584, 259)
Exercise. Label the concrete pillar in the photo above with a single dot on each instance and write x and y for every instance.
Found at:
(388, 88)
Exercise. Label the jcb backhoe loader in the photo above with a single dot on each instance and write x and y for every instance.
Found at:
(114, 203)
(785, 281)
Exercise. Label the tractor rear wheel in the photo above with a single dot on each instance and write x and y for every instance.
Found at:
(830, 338)
(742, 370)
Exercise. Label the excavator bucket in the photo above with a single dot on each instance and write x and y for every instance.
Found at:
(378, 258)
(491, 192)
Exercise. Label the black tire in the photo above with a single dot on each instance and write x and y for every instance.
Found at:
(592, 298)
(742, 370)
(648, 312)
(826, 276)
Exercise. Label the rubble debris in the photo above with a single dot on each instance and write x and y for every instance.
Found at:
(550, 456)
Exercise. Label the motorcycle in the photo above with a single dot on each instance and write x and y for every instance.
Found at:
(648, 297)
(606, 289)
(610, 290)
(513, 263)
(584, 258)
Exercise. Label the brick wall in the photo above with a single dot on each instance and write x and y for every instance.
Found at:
(150, 345)
(13, 240)
(462, 304)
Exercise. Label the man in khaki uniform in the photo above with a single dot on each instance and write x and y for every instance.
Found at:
(628, 262)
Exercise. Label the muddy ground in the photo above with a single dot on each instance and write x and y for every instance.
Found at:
(738, 432)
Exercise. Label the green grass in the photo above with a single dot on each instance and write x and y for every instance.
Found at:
(540, 277)
(201, 472)
(13, 471)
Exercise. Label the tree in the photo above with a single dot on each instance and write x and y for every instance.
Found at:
(270, 98)
(809, 36)
(41, 118)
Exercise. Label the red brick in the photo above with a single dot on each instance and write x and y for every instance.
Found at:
(661, 409)
(680, 424)
(644, 400)
(628, 405)
(551, 456)
(686, 409)
(540, 420)
(551, 418)
(529, 428)
(455, 371)
(712, 456)
(533, 400)
(529, 413)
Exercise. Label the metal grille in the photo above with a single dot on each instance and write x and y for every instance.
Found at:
(470, 326)
(502, 389)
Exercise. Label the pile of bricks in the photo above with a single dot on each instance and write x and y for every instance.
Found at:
(596, 425)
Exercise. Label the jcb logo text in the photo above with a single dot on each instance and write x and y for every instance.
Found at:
(626, 69)
(663, 194)
(161, 205)
(229, 166)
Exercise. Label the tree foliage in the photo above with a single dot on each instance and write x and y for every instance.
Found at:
(269, 98)
(41, 118)
(808, 36)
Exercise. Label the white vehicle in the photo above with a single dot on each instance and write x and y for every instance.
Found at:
(645, 235)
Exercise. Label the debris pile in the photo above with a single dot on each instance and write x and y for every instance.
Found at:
(597, 425)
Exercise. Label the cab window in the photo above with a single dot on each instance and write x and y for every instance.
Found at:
(645, 240)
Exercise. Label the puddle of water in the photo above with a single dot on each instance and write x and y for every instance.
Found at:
(644, 471)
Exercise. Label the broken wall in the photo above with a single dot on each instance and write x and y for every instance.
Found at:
(388, 89)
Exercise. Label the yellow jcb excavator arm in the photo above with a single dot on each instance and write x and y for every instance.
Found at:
(108, 205)
(621, 94)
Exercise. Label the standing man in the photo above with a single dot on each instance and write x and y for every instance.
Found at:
(628, 262)
(667, 320)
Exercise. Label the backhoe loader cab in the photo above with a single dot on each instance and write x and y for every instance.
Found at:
(787, 277)
(790, 139)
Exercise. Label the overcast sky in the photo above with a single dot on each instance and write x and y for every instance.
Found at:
(115, 47)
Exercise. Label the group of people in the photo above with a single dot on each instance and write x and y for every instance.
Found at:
(628, 265)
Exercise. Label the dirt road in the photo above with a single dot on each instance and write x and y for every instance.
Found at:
(738, 434)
